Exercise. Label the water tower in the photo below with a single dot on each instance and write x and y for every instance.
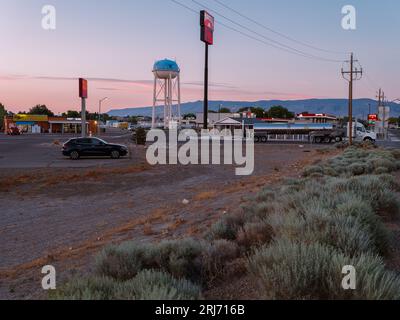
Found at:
(167, 92)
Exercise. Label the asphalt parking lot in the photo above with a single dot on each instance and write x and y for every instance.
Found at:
(44, 151)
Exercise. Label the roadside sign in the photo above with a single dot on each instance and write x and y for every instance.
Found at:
(83, 88)
(372, 118)
(207, 27)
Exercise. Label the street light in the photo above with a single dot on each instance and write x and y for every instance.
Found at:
(99, 120)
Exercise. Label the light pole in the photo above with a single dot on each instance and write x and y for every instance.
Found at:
(99, 119)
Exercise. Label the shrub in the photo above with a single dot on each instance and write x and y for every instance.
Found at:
(93, 288)
(217, 255)
(356, 169)
(122, 262)
(180, 258)
(288, 270)
(147, 285)
(313, 170)
(154, 285)
(140, 136)
(228, 226)
(254, 234)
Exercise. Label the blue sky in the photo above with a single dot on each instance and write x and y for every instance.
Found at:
(109, 41)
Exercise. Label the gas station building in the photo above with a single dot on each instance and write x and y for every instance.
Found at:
(42, 124)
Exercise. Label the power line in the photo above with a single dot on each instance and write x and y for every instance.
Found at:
(292, 51)
(265, 37)
(277, 32)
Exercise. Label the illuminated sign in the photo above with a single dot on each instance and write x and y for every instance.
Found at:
(207, 27)
(30, 118)
(83, 88)
(372, 118)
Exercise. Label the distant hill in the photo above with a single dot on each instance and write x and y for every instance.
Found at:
(336, 107)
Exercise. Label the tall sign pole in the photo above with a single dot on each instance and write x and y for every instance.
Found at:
(207, 36)
(353, 74)
(83, 94)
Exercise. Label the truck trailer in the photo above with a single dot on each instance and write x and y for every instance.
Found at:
(315, 132)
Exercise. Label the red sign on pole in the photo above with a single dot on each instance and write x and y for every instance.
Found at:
(372, 118)
(207, 27)
(83, 88)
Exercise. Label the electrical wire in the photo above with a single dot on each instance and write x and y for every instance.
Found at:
(278, 46)
(277, 32)
(266, 38)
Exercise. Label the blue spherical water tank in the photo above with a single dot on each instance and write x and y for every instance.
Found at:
(166, 68)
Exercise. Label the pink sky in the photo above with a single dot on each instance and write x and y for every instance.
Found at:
(63, 93)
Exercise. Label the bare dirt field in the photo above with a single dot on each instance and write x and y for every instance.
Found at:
(64, 216)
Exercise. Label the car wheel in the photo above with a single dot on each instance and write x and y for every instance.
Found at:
(318, 140)
(115, 154)
(256, 139)
(338, 139)
(264, 139)
(74, 155)
(368, 140)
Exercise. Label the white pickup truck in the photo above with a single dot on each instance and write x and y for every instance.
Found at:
(360, 133)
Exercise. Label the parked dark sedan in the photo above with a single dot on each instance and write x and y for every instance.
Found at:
(92, 147)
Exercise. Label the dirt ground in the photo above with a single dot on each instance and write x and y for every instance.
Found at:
(63, 217)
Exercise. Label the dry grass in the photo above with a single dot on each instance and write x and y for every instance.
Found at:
(206, 195)
(45, 180)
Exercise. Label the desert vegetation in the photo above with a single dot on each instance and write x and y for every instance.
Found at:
(293, 239)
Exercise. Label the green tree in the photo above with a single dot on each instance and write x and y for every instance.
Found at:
(41, 109)
(3, 113)
(280, 112)
(72, 114)
(140, 136)
(225, 110)
(258, 111)
(394, 121)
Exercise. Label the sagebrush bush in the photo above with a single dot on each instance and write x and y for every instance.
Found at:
(122, 262)
(146, 285)
(155, 285)
(254, 234)
(288, 270)
(196, 260)
(215, 258)
(180, 258)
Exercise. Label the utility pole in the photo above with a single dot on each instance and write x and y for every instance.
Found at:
(353, 74)
(384, 116)
(206, 89)
(207, 36)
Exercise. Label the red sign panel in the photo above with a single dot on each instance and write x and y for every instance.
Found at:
(83, 88)
(373, 117)
(207, 27)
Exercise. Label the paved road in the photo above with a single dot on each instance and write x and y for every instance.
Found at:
(394, 140)
(44, 151)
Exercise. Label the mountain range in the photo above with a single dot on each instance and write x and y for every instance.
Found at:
(338, 107)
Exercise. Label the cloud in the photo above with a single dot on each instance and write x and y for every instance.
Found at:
(112, 80)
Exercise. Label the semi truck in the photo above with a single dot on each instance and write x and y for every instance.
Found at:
(314, 132)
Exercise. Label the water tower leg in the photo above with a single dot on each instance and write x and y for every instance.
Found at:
(179, 99)
(153, 121)
(165, 102)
